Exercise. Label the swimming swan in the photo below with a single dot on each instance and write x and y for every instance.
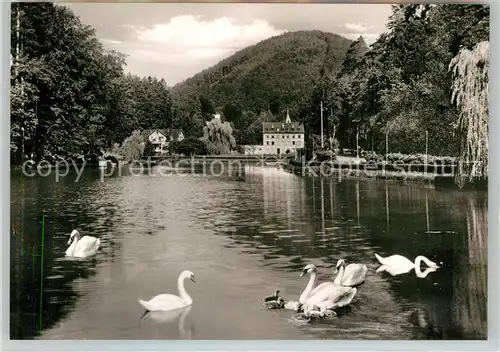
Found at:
(329, 297)
(82, 247)
(402, 264)
(350, 275)
(310, 290)
(165, 302)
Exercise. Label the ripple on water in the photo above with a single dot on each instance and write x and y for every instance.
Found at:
(257, 236)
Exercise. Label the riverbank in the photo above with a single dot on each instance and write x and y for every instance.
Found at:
(442, 176)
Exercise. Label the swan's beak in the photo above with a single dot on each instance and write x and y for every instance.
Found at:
(69, 241)
(192, 278)
(303, 273)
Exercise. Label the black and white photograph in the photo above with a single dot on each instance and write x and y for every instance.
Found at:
(244, 171)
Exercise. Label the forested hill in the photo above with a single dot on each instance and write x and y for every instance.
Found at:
(277, 72)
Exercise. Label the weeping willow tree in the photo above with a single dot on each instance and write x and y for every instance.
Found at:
(133, 147)
(218, 136)
(470, 94)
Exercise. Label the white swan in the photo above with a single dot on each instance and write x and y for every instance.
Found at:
(330, 295)
(394, 271)
(167, 301)
(82, 247)
(350, 275)
(402, 264)
(310, 290)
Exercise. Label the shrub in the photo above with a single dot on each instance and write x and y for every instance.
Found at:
(409, 158)
(324, 155)
(149, 149)
(189, 146)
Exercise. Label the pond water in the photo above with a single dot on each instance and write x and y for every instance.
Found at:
(243, 238)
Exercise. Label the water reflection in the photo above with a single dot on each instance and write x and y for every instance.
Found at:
(165, 321)
(43, 213)
(395, 271)
(470, 287)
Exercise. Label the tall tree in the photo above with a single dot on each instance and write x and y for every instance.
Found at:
(218, 136)
(470, 93)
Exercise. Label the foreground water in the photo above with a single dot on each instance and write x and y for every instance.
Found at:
(242, 237)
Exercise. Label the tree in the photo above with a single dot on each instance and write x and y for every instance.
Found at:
(189, 146)
(218, 136)
(133, 147)
(470, 93)
(207, 109)
(149, 149)
(60, 96)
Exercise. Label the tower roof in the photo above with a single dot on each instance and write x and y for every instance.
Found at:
(288, 120)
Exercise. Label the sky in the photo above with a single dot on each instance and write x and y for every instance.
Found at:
(176, 41)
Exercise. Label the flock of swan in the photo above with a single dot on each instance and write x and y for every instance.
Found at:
(315, 301)
(322, 300)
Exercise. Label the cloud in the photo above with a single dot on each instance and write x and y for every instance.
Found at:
(111, 41)
(187, 44)
(358, 27)
(206, 37)
(177, 40)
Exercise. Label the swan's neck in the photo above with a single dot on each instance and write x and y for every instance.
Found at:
(338, 279)
(420, 259)
(71, 247)
(74, 242)
(423, 274)
(182, 291)
(310, 285)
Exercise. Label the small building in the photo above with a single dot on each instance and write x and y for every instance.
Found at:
(279, 138)
(282, 138)
(161, 138)
(253, 149)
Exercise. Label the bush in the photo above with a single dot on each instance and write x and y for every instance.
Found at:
(409, 158)
(149, 149)
(189, 146)
(324, 155)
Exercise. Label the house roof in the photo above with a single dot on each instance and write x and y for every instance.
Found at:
(282, 127)
(167, 132)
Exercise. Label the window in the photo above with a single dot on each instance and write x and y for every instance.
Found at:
(283, 136)
(272, 137)
(272, 143)
(287, 136)
(267, 142)
(293, 142)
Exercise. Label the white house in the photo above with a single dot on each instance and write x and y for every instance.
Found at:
(161, 138)
(279, 138)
